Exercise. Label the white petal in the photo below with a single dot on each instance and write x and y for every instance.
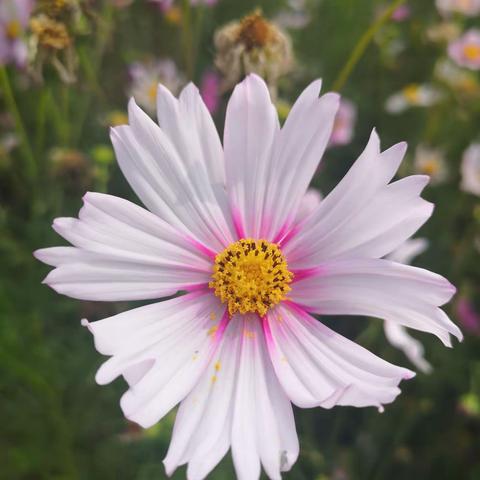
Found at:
(179, 190)
(268, 170)
(411, 347)
(239, 402)
(161, 349)
(363, 216)
(297, 154)
(399, 293)
(122, 252)
(251, 126)
(310, 202)
(318, 367)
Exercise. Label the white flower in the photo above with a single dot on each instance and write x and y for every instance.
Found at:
(470, 8)
(397, 334)
(470, 169)
(413, 95)
(241, 344)
(147, 75)
(431, 162)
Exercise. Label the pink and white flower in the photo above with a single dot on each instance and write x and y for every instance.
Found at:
(465, 51)
(14, 15)
(241, 344)
(470, 8)
(470, 170)
(344, 124)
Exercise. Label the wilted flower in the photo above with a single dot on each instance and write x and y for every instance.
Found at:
(252, 45)
(413, 95)
(51, 42)
(470, 169)
(469, 8)
(431, 162)
(465, 51)
(344, 123)
(240, 344)
(397, 334)
(147, 75)
(469, 318)
(210, 90)
(14, 15)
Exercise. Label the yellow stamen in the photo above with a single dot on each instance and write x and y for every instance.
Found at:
(471, 51)
(251, 276)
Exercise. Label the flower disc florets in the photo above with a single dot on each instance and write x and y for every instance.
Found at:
(251, 276)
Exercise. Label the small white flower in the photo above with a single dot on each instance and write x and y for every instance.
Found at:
(413, 95)
(470, 169)
(470, 8)
(145, 79)
(431, 162)
(396, 334)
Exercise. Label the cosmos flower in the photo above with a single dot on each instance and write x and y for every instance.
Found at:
(344, 124)
(470, 8)
(253, 45)
(465, 51)
(397, 334)
(14, 15)
(470, 169)
(147, 75)
(431, 161)
(413, 95)
(240, 344)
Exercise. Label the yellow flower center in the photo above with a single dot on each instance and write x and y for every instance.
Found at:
(472, 51)
(251, 276)
(412, 93)
(13, 29)
(431, 167)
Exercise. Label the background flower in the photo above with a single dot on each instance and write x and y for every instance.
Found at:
(465, 51)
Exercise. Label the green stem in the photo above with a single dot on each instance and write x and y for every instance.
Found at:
(90, 68)
(362, 45)
(187, 38)
(30, 164)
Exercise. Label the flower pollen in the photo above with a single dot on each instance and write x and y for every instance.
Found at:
(251, 276)
(472, 51)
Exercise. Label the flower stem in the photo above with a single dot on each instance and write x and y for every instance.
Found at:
(362, 45)
(187, 38)
(30, 164)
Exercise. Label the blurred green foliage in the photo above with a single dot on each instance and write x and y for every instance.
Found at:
(56, 423)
